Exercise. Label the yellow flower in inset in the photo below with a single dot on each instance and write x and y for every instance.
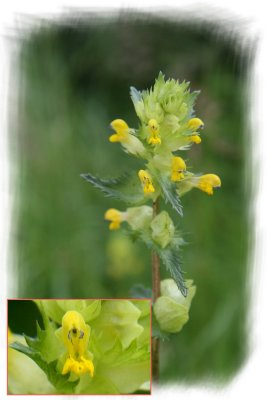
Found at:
(207, 182)
(177, 169)
(146, 181)
(116, 217)
(121, 129)
(76, 335)
(195, 123)
(154, 132)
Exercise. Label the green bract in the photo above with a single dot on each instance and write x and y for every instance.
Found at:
(24, 375)
(162, 229)
(118, 349)
(172, 308)
(139, 218)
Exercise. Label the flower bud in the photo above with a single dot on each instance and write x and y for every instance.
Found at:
(139, 217)
(172, 308)
(162, 229)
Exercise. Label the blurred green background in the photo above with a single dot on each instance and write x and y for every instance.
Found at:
(74, 80)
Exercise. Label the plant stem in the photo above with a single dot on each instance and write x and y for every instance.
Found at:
(156, 294)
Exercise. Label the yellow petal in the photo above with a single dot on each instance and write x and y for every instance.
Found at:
(195, 123)
(146, 181)
(207, 182)
(177, 169)
(195, 139)
(119, 126)
(75, 333)
(115, 216)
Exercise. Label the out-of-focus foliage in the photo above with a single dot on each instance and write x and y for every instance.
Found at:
(73, 80)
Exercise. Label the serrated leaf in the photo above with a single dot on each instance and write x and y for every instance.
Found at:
(172, 261)
(169, 191)
(126, 187)
(46, 342)
(135, 95)
(190, 98)
(169, 255)
(139, 291)
(60, 382)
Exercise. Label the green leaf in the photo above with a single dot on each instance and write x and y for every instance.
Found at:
(170, 257)
(97, 385)
(51, 308)
(46, 342)
(126, 187)
(60, 382)
(172, 261)
(55, 309)
(136, 96)
(190, 98)
(118, 321)
(127, 368)
(169, 191)
(171, 315)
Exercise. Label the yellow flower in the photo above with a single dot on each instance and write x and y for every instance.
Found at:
(124, 135)
(195, 139)
(146, 181)
(116, 217)
(121, 129)
(76, 338)
(207, 182)
(177, 169)
(154, 132)
(195, 123)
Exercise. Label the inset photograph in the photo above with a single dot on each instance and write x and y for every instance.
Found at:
(85, 346)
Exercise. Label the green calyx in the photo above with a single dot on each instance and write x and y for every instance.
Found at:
(171, 309)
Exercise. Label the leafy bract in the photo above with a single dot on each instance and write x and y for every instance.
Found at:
(60, 382)
(126, 187)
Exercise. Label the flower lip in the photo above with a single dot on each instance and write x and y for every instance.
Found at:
(122, 131)
(154, 132)
(195, 139)
(208, 182)
(76, 338)
(119, 125)
(115, 217)
(195, 123)
(178, 168)
(146, 181)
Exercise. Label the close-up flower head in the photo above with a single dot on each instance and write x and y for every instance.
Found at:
(84, 347)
